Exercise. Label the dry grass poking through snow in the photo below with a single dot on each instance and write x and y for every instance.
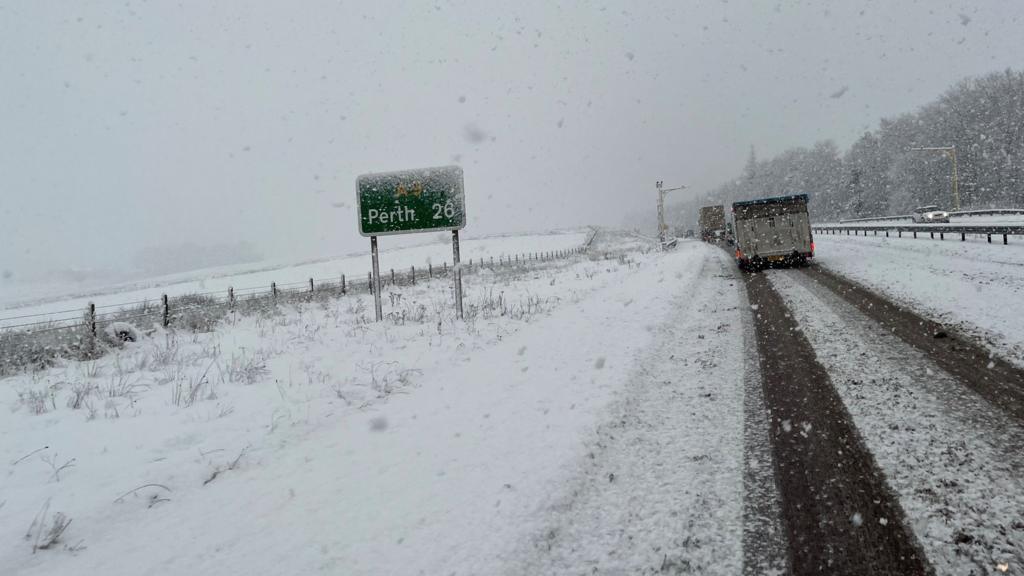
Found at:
(181, 408)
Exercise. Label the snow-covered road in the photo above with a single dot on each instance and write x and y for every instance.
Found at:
(974, 286)
(627, 412)
(954, 460)
(660, 488)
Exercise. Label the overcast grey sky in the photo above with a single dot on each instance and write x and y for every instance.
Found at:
(132, 124)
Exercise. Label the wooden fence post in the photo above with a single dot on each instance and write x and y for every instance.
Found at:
(412, 275)
(430, 270)
(344, 289)
(369, 281)
(92, 321)
(231, 298)
(166, 313)
(392, 276)
(311, 285)
(273, 290)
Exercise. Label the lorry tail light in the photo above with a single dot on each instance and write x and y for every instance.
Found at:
(739, 254)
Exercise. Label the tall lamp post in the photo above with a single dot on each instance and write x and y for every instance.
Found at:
(662, 228)
(949, 151)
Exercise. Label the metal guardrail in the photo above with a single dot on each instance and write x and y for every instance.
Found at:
(982, 212)
(986, 212)
(875, 219)
(930, 229)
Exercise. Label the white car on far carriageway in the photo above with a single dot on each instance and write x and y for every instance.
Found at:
(930, 215)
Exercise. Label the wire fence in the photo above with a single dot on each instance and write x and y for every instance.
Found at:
(91, 315)
(189, 310)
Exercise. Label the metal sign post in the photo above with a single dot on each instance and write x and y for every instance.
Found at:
(458, 273)
(407, 202)
(376, 279)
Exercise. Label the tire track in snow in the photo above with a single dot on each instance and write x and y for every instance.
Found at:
(954, 461)
(764, 542)
(991, 377)
(840, 516)
(661, 489)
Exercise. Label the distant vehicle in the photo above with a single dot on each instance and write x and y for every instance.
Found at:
(930, 215)
(689, 233)
(712, 223)
(772, 231)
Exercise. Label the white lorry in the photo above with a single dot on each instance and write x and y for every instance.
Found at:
(772, 231)
(712, 223)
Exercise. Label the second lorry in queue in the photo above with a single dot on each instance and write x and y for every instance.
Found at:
(712, 223)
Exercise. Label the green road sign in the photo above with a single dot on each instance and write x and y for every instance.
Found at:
(411, 201)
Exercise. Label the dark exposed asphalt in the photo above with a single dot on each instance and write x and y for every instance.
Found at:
(992, 378)
(838, 514)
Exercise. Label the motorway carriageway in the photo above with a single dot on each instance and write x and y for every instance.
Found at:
(888, 433)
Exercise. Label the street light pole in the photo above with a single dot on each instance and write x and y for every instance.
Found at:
(949, 151)
(956, 181)
(662, 228)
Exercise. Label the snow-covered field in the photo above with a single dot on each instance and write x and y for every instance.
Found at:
(27, 301)
(314, 441)
(974, 286)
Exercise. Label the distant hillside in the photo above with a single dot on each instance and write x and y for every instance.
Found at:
(881, 174)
